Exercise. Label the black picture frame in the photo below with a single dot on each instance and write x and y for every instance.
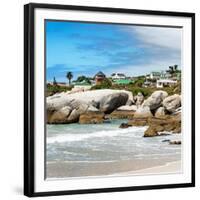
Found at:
(29, 117)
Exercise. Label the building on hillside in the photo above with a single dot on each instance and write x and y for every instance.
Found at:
(158, 75)
(118, 76)
(165, 82)
(99, 77)
(165, 75)
(155, 75)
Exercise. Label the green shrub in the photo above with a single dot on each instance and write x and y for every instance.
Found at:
(145, 91)
(53, 89)
(105, 84)
(139, 82)
(83, 78)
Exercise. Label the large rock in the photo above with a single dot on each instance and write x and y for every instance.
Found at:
(157, 126)
(60, 116)
(93, 97)
(67, 107)
(66, 114)
(160, 112)
(113, 101)
(155, 100)
(168, 124)
(91, 118)
(143, 112)
(171, 103)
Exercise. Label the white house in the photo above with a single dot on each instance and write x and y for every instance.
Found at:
(165, 82)
(165, 75)
(118, 76)
(155, 75)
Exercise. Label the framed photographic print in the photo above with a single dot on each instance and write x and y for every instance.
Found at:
(108, 99)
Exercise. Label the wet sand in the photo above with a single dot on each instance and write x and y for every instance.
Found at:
(172, 167)
(128, 167)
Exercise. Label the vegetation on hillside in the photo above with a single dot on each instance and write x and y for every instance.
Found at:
(53, 89)
(83, 78)
(106, 84)
(137, 87)
(134, 87)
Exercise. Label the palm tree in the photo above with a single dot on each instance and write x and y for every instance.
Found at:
(176, 67)
(54, 81)
(69, 76)
(173, 69)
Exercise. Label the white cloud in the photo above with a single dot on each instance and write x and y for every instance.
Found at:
(159, 36)
(164, 49)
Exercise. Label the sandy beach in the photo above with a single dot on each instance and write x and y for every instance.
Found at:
(136, 167)
(171, 167)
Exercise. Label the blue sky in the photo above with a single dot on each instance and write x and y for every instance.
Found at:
(86, 48)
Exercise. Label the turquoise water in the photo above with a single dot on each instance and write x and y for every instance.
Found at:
(106, 143)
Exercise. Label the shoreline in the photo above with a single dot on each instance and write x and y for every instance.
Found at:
(169, 167)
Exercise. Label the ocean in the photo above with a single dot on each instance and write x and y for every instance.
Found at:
(88, 145)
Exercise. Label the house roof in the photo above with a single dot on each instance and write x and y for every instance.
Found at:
(100, 74)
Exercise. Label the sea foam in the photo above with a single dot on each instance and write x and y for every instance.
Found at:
(104, 133)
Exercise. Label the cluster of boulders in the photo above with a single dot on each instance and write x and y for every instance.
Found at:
(162, 113)
(159, 104)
